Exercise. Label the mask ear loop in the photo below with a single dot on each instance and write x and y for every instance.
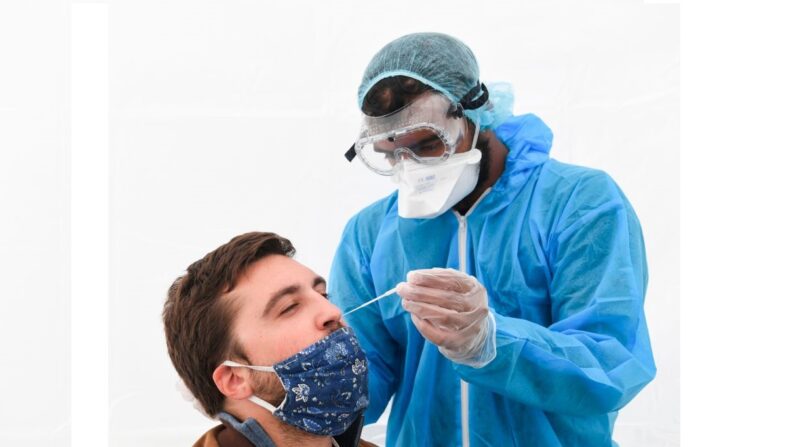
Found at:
(477, 133)
(265, 404)
(255, 368)
(255, 399)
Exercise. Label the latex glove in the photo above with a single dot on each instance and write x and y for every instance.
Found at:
(451, 310)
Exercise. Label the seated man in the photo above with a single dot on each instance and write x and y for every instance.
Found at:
(253, 336)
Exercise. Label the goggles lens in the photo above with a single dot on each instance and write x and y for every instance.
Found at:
(425, 131)
(423, 145)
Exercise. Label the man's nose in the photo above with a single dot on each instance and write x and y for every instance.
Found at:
(329, 316)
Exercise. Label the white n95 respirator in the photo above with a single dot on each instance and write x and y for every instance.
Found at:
(427, 191)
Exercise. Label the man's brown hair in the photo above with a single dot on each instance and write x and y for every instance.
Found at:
(197, 321)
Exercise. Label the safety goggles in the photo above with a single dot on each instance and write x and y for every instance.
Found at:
(428, 130)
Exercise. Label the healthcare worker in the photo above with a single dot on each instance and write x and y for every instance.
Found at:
(518, 319)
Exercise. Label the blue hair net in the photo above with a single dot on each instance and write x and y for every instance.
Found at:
(443, 63)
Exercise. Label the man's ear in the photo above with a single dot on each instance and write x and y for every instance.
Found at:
(232, 382)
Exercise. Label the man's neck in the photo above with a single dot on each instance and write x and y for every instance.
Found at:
(282, 434)
(497, 153)
(288, 436)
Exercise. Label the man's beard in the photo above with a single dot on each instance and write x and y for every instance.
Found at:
(269, 388)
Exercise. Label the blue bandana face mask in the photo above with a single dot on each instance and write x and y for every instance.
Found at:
(326, 384)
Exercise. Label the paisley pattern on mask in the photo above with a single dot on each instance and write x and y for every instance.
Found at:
(327, 383)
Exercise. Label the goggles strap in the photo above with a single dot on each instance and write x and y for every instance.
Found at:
(350, 154)
(469, 102)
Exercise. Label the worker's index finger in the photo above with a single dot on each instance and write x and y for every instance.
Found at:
(431, 295)
(442, 279)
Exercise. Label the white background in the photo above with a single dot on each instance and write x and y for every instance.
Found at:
(232, 116)
(34, 223)
(737, 220)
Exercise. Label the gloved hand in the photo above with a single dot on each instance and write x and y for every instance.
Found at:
(451, 310)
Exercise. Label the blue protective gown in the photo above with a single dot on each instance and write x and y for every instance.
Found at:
(560, 251)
